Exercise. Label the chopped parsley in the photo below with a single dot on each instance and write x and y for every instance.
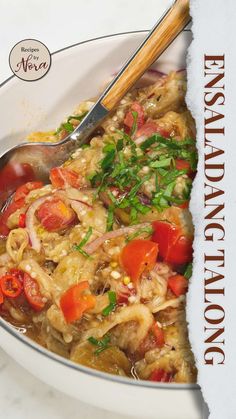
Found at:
(101, 344)
(83, 242)
(112, 304)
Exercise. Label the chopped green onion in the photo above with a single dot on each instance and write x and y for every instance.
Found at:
(108, 159)
(188, 271)
(102, 344)
(120, 144)
(148, 230)
(77, 117)
(134, 126)
(68, 127)
(80, 246)
(110, 218)
(161, 163)
(112, 299)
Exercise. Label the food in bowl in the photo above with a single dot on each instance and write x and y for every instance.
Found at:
(95, 264)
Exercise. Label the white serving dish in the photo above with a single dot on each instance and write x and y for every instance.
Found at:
(77, 73)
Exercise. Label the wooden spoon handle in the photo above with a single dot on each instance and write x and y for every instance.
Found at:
(164, 32)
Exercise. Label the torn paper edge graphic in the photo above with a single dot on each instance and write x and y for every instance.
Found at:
(210, 306)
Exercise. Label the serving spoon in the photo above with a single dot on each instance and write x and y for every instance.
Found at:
(47, 155)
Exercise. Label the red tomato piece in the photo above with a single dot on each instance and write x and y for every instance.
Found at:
(129, 118)
(161, 376)
(154, 339)
(55, 215)
(159, 334)
(1, 297)
(32, 293)
(174, 246)
(62, 177)
(178, 284)
(21, 222)
(183, 165)
(138, 256)
(150, 128)
(25, 189)
(75, 301)
(10, 286)
(14, 175)
(184, 205)
(18, 202)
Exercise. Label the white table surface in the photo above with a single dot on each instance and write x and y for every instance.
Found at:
(59, 23)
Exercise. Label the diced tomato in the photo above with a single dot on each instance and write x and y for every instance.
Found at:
(76, 300)
(138, 256)
(1, 297)
(21, 222)
(150, 128)
(10, 285)
(129, 118)
(184, 205)
(159, 334)
(25, 189)
(18, 202)
(178, 284)
(154, 339)
(13, 175)
(183, 165)
(161, 376)
(174, 246)
(13, 207)
(62, 177)
(32, 293)
(55, 215)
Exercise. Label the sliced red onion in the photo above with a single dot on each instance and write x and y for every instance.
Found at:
(80, 202)
(144, 199)
(150, 77)
(157, 72)
(66, 197)
(30, 224)
(95, 244)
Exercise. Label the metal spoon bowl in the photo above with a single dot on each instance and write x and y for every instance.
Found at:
(43, 156)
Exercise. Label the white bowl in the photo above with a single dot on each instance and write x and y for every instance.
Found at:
(77, 73)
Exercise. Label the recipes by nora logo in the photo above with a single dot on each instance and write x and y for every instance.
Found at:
(30, 60)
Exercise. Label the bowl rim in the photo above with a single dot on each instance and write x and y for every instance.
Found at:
(30, 343)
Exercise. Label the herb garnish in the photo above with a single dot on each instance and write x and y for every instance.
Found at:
(121, 168)
(134, 126)
(68, 126)
(102, 344)
(188, 271)
(80, 246)
(148, 230)
(112, 299)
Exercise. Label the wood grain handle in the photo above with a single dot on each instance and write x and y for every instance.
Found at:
(164, 32)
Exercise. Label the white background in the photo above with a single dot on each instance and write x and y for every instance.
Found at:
(59, 23)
